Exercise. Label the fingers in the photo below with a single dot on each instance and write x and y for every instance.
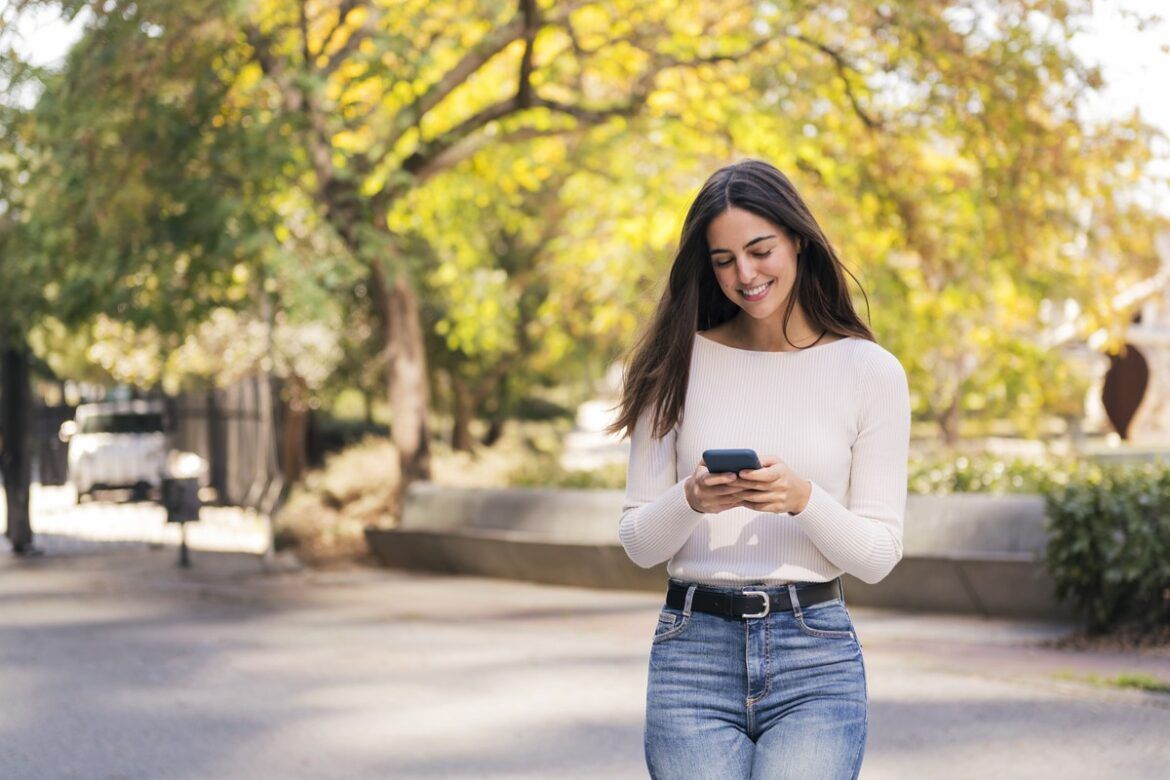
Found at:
(719, 489)
(730, 502)
(714, 492)
(770, 470)
(713, 480)
(718, 492)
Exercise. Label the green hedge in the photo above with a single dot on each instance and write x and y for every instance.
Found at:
(1109, 543)
(984, 473)
(548, 473)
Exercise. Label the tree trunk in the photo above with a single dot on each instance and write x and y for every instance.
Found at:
(15, 460)
(294, 451)
(463, 409)
(948, 423)
(368, 408)
(494, 432)
(406, 371)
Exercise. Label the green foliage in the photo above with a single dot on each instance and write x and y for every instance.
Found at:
(1141, 682)
(143, 203)
(21, 283)
(535, 408)
(1109, 543)
(335, 434)
(984, 473)
(200, 156)
(548, 473)
(1136, 681)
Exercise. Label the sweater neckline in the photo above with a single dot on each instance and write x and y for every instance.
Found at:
(709, 340)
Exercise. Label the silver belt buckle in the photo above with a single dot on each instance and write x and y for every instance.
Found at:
(767, 603)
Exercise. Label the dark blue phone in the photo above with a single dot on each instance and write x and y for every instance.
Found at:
(723, 461)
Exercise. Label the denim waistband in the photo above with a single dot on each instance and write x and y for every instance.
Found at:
(766, 587)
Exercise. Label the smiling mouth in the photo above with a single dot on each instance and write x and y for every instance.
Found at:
(756, 293)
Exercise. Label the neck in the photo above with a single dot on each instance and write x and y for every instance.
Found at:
(768, 335)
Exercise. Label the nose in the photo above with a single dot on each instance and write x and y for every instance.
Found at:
(745, 267)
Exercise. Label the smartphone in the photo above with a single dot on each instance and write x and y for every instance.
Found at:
(723, 461)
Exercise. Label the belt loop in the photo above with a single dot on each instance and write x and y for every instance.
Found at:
(690, 597)
(841, 588)
(795, 601)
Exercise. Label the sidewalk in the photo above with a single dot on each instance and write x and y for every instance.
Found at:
(119, 664)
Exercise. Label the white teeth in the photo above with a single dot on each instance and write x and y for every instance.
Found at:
(756, 290)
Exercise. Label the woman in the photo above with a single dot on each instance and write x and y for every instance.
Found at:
(755, 668)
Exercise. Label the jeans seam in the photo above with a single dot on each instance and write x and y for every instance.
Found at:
(818, 632)
(673, 632)
(858, 756)
(767, 663)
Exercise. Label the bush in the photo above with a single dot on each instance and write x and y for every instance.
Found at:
(550, 474)
(1109, 544)
(327, 513)
(330, 434)
(533, 408)
(984, 473)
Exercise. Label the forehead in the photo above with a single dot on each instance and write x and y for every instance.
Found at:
(735, 227)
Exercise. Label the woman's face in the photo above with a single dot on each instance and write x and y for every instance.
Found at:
(751, 254)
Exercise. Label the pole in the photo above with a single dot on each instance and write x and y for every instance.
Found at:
(184, 554)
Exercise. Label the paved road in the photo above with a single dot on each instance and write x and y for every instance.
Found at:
(120, 665)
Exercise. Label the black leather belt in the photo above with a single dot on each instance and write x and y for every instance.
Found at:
(752, 603)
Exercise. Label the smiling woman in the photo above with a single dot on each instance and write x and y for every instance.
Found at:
(755, 667)
(762, 271)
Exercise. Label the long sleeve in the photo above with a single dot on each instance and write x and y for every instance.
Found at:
(656, 518)
(865, 538)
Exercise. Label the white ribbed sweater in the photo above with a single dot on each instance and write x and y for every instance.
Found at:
(837, 414)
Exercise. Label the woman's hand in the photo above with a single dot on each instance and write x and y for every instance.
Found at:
(709, 493)
(773, 488)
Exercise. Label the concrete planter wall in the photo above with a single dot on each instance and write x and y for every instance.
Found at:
(963, 553)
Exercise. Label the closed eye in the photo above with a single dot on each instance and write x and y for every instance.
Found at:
(760, 255)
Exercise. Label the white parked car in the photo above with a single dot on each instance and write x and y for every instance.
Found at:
(117, 444)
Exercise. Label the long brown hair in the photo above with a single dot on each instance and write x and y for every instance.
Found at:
(660, 362)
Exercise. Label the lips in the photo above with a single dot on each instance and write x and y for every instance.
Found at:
(760, 292)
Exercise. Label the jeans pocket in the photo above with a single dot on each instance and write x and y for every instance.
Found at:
(827, 621)
(670, 624)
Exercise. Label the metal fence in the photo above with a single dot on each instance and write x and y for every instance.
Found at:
(236, 429)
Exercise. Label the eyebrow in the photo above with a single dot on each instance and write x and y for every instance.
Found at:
(748, 245)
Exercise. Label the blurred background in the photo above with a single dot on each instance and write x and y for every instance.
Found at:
(336, 247)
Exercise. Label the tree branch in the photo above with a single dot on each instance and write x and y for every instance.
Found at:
(469, 146)
(461, 141)
(352, 42)
(524, 91)
(295, 101)
(843, 67)
(306, 55)
(343, 11)
(488, 47)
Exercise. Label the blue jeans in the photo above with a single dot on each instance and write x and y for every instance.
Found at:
(783, 696)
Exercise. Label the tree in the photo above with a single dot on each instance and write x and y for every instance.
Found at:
(19, 302)
(389, 95)
(946, 150)
(919, 130)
